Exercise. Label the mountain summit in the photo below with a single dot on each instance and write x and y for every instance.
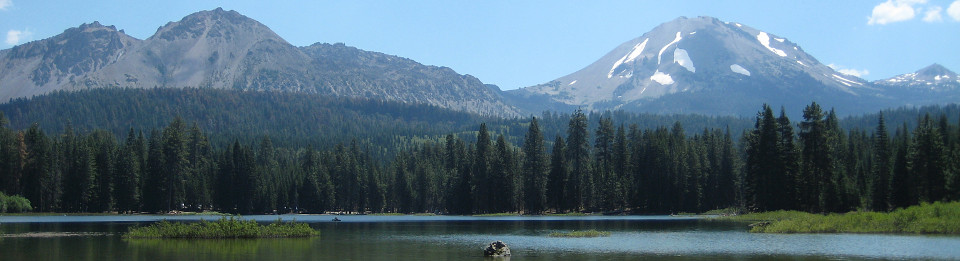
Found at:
(699, 65)
(224, 49)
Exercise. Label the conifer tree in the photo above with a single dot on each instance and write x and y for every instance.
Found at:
(534, 170)
(882, 167)
(557, 178)
(580, 178)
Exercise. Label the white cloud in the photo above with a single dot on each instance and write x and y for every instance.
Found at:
(15, 37)
(954, 10)
(5, 3)
(893, 11)
(851, 72)
(933, 14)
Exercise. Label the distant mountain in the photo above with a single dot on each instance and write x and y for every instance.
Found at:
(704, 65)
(224, 49)
(933, 84)
(934, 77)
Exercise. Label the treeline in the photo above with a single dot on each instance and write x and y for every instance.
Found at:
(176, 168)
(820, 167)
(594, 165)
(296, 119)
(290, 119)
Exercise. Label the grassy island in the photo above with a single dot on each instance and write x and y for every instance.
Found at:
(223, 228)
(585, 233)
(926, 218)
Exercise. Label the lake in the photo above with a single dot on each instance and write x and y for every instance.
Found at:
(457, 238)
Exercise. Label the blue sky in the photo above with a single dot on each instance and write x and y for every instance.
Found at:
(521, 43)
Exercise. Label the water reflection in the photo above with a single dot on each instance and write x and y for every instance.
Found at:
(459, 238)
(222, 249)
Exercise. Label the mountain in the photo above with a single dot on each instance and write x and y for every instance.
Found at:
(933, 84)
(224, 49)
(702, 65)
(61, 62)
(934, 77)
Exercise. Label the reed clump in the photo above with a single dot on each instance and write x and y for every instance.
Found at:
(584, 233)
(223, 228)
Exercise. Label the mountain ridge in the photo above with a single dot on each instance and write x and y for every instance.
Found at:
(224, 49)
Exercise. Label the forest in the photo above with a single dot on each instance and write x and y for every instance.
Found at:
(592, 163)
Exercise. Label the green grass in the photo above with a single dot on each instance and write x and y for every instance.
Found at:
(388, 214)
(927, 218)
(497, 215)
(723, 211)
(223, 228)
(571, 214)
(585, 233)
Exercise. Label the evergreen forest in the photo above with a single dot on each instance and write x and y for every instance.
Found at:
(364, 156)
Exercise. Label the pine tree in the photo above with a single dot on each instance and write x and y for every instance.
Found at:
(503, 178)
(817, 164)
(534, 170)
(481, 171)
(788, 164)
(926, 161)
(882, 167)
(557, 178)
(128, 172)
(580, 178)
(603, 166)
(621, 182)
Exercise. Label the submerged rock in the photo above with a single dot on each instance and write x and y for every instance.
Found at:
(496, 249)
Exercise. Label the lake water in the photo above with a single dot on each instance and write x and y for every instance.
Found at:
(458, 238)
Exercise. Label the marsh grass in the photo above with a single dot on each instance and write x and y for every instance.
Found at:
(585, 233)
(497, 215)
(926, 218)
(571, 214)
(223, 228)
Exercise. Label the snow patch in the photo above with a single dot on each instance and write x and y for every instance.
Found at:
(779, 39)
(846, 82)
(661, 78)
(738, 24)
(693, 33)
(637, 50)
(680, 56)
(801, 63)
(765, 41)
(571, 83)
(936, 78)
(739, 69)
(675, 40)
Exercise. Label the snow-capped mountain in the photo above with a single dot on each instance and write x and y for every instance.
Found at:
(934, 77)
(933, 84)
(699, 65)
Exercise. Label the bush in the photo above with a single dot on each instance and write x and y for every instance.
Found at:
(14, 204)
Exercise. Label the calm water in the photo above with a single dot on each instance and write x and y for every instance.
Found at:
(458, 238)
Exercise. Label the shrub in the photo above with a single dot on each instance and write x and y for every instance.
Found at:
(14, 204)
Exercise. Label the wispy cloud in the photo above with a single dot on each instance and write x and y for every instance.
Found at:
(848, 71)
(954, 10)
(893, 11)
(933, 15)
(15, 37)
(5, 3)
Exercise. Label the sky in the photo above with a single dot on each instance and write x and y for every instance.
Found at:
(517, 44)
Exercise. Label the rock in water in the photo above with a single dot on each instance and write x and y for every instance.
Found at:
(496, 249)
